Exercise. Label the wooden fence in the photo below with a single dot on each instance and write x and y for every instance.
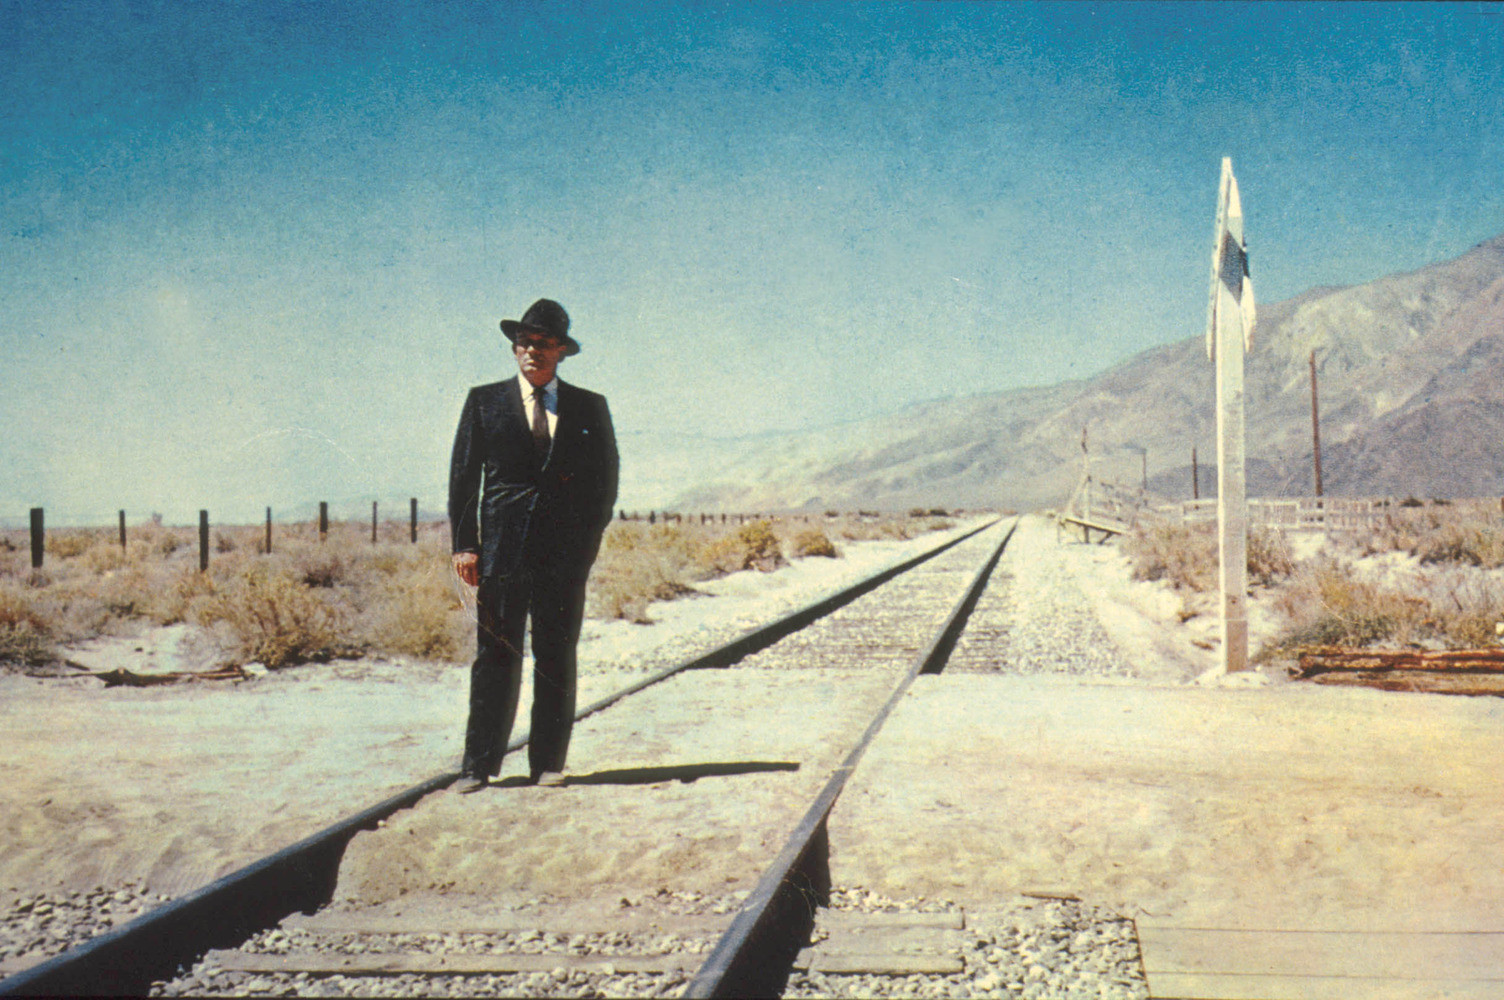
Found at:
(1119, 507)
(1316, 513)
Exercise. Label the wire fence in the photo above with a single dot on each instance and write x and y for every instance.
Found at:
(38, 527)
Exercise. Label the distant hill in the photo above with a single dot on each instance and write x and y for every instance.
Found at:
(1411, 380)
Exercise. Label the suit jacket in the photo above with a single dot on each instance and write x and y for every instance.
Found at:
(549, 512)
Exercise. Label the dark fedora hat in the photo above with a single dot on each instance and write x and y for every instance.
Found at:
(546, 317)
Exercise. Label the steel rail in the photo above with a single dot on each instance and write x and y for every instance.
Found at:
(754, 955)
(300, 877)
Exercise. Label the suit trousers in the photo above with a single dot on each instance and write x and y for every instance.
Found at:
(555, 605)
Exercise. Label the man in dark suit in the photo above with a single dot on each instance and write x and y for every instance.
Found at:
(536, 459)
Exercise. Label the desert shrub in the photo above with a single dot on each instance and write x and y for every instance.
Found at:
(869, 529)
(125, 591)
(176, 596)
(1464, 534)
(1467, 543)
(419, 617)
(277, 619)
(69, 544)
(1327, 606)
(320, 566)
(640, 564)
(24, 635)
(814, 542)
(1185, 555)
(390, 560)
(751, 546)
(106, 558)
(223, 542)
(156, 540)
(1269, 556)
(624, 589)
(1463, 608)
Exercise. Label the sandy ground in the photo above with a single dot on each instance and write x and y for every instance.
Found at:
(175, 786)
(1291, 806)
(691, 807)
(1159, 796)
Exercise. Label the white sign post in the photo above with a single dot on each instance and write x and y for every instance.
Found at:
(1229, 334)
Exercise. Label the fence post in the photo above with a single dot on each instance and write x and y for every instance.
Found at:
(1315, 427)
(37, 538)
(323, 519)
(203, 541)
(413, 504)
(122, 531)
(373, 522)
(268, 531)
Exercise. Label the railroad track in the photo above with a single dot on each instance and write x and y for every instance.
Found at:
(798, 658)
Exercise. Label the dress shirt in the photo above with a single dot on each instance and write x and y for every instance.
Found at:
(550, 401)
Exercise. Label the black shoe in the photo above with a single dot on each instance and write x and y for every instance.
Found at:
(471, 783)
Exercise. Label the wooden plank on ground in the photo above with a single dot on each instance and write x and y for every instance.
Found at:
(1415, 681)
(950, 920)
(1175, 986)
(378, 922)
(1322, 660)
(847, 963)
(895, 940)
(1087, 527)
(1301, 964)
(424, 963)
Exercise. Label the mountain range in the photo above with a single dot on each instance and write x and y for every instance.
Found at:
(1410, 376)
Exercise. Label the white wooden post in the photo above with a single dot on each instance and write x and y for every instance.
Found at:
(1229, 333)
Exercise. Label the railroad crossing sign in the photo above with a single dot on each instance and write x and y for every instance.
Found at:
(1229, 334)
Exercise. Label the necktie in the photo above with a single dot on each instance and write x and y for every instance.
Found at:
(541, 437)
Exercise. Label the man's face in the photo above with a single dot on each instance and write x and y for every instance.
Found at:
(538, 356)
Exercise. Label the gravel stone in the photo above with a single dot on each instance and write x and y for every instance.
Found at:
(1016, 951)
(39, 926)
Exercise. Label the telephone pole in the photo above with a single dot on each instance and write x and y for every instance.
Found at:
(1315, 426)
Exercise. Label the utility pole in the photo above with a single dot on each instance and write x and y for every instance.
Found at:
(1315, 426)
(1085, 479)
(1195, 476)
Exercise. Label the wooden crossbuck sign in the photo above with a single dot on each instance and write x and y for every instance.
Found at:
(1229, 334)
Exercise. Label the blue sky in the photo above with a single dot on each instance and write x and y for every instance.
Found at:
(254, 253)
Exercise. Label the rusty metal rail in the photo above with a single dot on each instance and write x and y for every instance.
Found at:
(301, 877)
(755, 954)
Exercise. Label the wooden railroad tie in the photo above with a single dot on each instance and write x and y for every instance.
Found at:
(886, 944)
(897, 944)
(448, 964)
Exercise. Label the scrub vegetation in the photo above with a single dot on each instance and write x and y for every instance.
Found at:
(1185, 555)
(1425, 576)
(312, 599)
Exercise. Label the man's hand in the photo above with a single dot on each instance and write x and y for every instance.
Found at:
(467, 565)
